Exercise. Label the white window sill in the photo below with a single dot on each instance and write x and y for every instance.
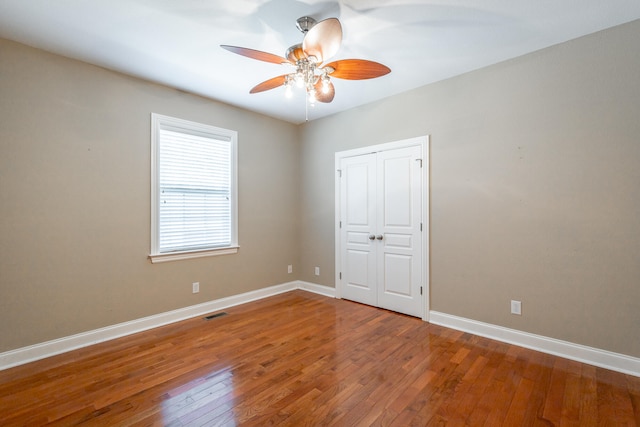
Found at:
(175, 256)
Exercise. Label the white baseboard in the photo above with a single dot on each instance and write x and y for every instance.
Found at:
(593, 356)
(605, 359)
(317, 289)
(39, 351)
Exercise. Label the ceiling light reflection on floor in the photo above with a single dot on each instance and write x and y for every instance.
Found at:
(205, 401)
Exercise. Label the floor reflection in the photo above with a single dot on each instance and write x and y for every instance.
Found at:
(205, 401)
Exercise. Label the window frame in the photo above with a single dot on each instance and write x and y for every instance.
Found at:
(158, 123)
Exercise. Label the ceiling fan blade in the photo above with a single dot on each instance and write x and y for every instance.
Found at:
(256, 54)
(269, 84)
(357, 69)
(324, 97)
(323, 40)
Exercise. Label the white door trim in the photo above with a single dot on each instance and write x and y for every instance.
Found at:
(423, 142)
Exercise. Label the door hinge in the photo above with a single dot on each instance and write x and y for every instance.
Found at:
(420, 226)
(340, 224)
(340, 173)
(340, 275)
(420, 290)
(419, 160)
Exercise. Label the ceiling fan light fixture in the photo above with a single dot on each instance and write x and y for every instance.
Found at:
(321, 41)
(325, 84)
(288, 91)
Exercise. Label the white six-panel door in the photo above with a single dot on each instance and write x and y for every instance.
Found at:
(359, 253)
(398, 223)
(380, 229)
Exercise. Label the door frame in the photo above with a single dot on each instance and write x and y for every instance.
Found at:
(423, 142)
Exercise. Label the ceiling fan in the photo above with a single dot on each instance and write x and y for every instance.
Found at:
(321, 41)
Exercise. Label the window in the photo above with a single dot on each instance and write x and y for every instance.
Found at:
(194, 190)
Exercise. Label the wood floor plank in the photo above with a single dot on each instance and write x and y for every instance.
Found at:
(300, 359)
(588, 397)
(555, 393)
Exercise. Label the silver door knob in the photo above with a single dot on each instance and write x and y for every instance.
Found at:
(379, 237)
(372, 237)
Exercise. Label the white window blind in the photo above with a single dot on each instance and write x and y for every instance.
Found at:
(194, 187)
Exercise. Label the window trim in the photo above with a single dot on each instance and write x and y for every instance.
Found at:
(159, 122)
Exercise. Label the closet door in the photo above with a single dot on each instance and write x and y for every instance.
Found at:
(357, 231)
(399, 215)
(380, 229)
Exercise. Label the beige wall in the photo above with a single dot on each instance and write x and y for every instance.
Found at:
(75, 200)
(535, 188)
(535, 165)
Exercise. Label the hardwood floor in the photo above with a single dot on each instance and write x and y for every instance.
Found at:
(302, 359)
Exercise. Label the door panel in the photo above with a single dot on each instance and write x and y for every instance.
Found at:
(397, 272)
(358, 274)
(358, 198)
(400, 241)
(357, 190)
(358, 237)
(399, 216)
(396, 189)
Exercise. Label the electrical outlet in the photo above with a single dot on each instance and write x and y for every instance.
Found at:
(317, 271)
(516, 307)
(290, 269)
(195, 286)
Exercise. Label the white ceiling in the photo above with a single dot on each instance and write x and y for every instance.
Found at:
(177, 42)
